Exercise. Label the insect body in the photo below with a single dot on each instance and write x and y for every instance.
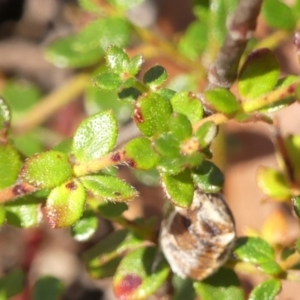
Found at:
(198, 240)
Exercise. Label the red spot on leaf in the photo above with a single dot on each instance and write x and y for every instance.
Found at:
(127, 286)
(291, 89)
(131, 163)
(116, 157)
(54, 215)
(71, 186)
(19, 189)
(138, 116)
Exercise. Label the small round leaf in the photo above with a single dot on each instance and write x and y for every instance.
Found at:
(65, 204)
(85, 227)
(5, 116)
(220, 286)
(278, 14)
(259, 74)
(24, 212)
(180, 126)
(208, 177)
(187, 104)
(10, 165)
(108, 81)
(267, 290)
(274, 184)
(108, 187)
(155, 76)
(139, 154)
(151, 114)
(95, 136)
(222, 100)
(47, 169)
(179, 188)
(117, 59)
(206, 133)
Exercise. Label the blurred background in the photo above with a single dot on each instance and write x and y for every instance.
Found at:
(27, 28)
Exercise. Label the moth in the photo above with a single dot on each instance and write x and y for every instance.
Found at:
(198, 240)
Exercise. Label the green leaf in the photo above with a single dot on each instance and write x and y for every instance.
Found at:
(208, 177)
(29, 143)
(20, 95)
(152, 113)
(108, 249)
(273, 183)
(85, 227)
(259, 74)
(194, 40)
(155, 77)
(286, 94)
(179, 188)
(2, 215)
(223, 285)
(5, 117)
(206, 133)
(135, 277)
(47, 169)
(292, 144)
(108, 188)
(175, 165)
(135, 65)
(117, 60)
(64, 53)
(12, 283)
(267, 290)
(48, 288)
(99, 100)
(10, 165)
(222, 100)
(95, 136)
(65, 204)
(167, 145)
(140, 155)
(24, 212)
(89, 5)
(256, 250)
(219, 11)
(108, 81)
(187, 104)
(129, 95)
(296, 205)
(298, 245)
(102, 33)
(112, 210)
(125, 4)
(183, 288)
(180, 126)
(278, 14)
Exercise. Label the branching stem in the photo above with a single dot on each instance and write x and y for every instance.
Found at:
(241, 26)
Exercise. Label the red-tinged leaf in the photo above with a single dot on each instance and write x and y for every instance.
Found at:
(47, 169)
(65, 204)
(151, 114)
(274, 184)
(137, 278)
(259, 74)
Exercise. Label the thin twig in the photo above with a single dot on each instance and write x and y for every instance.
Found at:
(241, 26)
(52, 103)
